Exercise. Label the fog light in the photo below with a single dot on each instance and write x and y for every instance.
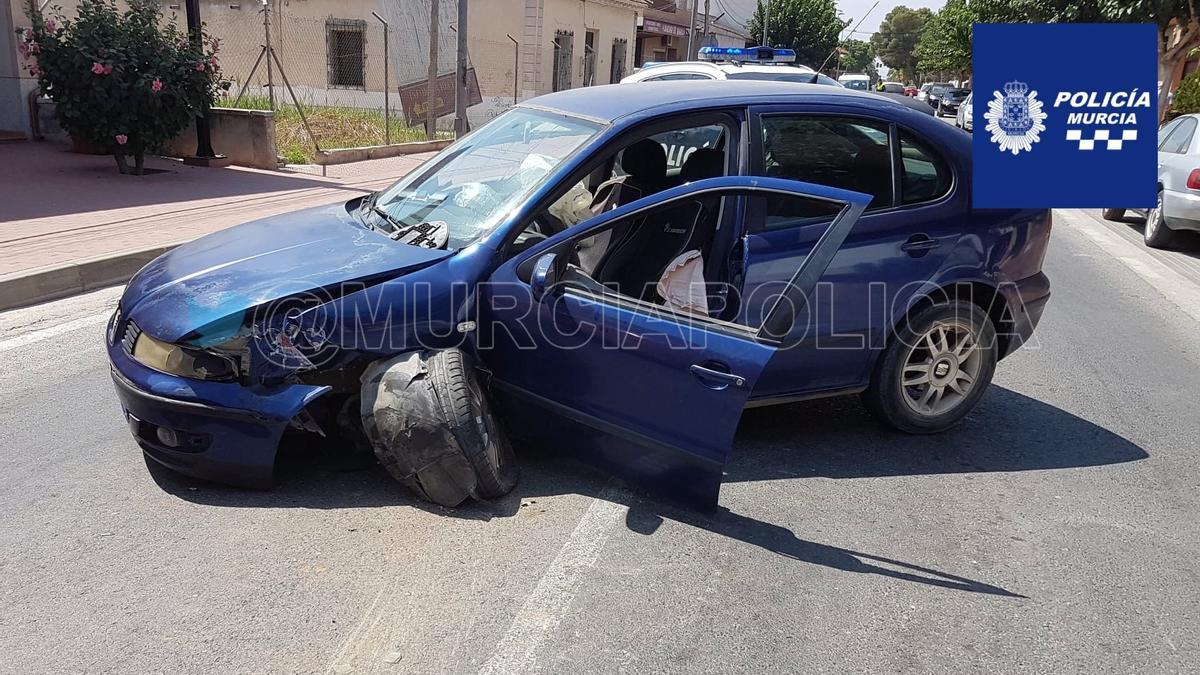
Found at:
(167, 437)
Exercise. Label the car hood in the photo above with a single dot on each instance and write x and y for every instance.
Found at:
(204, 287)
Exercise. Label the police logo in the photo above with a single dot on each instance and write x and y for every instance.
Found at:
(1015, 119)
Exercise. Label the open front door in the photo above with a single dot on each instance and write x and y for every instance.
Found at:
(586, 354)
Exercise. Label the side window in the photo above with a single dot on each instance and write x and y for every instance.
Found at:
(1181, 138)
(924, 176)
(679, 146)
(1165, 131)
(844, 153)
(777, 212)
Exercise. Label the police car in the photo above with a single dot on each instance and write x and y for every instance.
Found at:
(734, 63)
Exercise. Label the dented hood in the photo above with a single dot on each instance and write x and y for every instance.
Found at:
(212, 281)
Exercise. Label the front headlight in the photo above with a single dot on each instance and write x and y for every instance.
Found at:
(183, 361)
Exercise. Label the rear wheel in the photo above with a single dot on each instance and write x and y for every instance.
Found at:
(935, 370)
(1157, 234)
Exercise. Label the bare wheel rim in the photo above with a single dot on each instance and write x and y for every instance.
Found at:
(941, 368)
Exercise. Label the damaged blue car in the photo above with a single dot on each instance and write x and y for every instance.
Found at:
(615, 272)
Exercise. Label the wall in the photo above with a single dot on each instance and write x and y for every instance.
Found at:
(247, 137)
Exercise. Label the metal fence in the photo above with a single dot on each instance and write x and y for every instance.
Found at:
(349, 81)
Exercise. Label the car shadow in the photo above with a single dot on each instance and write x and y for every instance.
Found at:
(1186, 242)
(830, 438)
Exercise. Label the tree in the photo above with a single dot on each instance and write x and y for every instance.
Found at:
(896, 40)
(945, 43)
(125, 82)
(857, 56)
(811, 27)
(1177, 21)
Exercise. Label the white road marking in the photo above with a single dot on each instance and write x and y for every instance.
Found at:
(1175, 287)
(543, 610)
(53, 331)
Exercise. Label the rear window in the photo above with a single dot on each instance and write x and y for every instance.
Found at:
(924, 176)
(783, 76)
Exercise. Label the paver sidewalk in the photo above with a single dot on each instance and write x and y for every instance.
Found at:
(69, 222)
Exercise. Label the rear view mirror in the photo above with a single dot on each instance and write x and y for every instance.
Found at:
(545, 275)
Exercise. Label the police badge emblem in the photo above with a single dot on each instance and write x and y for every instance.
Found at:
(1015, 118)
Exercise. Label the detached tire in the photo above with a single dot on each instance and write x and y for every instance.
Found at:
(1112, 214)
(935, 370)
(432, 428)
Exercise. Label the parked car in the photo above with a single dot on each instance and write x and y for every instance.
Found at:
(552, 279)
(857, 81)
(891, 88)
(910, 90)
(1178, 203)
(947, 103)
(730, 63)
(932, 91)
(963, 118)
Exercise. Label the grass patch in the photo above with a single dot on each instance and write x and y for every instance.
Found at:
(334, 127)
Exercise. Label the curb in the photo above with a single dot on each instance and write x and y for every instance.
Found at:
(348, 155)
(29, 287)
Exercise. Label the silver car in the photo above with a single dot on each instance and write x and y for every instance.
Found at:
(962, 119)
(1178, 205)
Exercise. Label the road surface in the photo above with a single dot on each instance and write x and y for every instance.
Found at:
(1055, 530)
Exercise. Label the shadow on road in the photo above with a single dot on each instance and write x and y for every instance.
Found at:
(1186, 242)
(833, 438)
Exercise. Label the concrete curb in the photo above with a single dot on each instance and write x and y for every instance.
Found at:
(29, 287)
(347, 155)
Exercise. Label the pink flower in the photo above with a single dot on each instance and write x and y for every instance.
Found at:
(34, 69)
(28, 35)
(23, 48)
(97, 68)
(200, 67)
(156, 85)
(122, 139)
(213, 62)
(51, 26)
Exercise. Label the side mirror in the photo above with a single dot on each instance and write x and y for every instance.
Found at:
(545, 276)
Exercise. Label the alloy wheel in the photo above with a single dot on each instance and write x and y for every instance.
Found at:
(1154, 218)
(941, 368)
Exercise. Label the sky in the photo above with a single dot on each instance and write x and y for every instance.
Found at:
(741, 10)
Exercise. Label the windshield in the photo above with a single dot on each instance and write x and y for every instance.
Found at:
(474, 183)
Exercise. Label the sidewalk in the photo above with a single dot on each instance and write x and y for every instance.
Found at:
(70, 222)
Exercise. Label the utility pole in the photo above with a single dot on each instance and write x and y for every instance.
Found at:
(692, 32)
(270, 70)
(461, 126)
(766, 20)
(430, 87)
(706, 8)
(204, 151)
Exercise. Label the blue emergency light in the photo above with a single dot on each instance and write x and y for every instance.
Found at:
(747, 54)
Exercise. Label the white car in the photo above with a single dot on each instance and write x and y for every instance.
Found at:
(729, 63)
(962, 119)
(1178, 203)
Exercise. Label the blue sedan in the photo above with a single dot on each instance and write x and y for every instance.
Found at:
(615, 271)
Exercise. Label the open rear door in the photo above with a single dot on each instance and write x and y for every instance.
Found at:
(650, 394)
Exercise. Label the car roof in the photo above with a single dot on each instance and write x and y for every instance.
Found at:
(716, 67)
(610, 102)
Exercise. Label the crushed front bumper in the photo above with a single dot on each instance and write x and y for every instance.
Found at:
(218, 431)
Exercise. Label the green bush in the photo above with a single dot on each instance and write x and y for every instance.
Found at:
(124, 82)
(1187, 95)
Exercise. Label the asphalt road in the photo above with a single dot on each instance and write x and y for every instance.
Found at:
(1055, 530)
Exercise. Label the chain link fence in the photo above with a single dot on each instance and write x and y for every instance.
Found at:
(361, 78)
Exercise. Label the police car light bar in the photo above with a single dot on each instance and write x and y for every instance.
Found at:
(750, 54)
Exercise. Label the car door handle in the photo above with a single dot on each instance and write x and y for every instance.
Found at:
(716, 379)
(918, 245)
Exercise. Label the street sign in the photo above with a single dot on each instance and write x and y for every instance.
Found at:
(414, 97)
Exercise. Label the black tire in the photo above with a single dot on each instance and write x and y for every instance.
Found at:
(1157, 233)
(1112, 214)
(888, 400)
(432, 428)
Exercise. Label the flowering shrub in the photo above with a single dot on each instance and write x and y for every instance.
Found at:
(124, 82)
